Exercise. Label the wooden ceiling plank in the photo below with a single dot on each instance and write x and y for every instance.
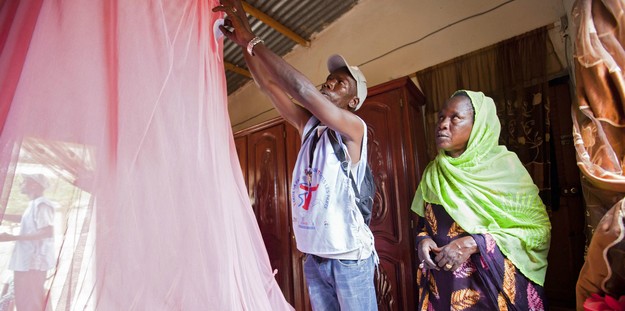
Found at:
(236, 69)
(274, 24)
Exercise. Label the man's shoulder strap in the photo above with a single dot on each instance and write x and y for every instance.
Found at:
(340, 154)
(311, 130)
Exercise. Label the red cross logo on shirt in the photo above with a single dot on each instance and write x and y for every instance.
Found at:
(309, 190)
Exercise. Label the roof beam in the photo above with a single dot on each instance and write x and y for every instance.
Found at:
(274, 24)
(266, 19)
(236, 69)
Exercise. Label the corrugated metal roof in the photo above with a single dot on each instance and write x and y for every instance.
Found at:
(303, 17)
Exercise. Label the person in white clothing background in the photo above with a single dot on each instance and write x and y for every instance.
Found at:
(33, 254)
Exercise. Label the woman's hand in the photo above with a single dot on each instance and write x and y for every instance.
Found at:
(241, 32)
(425, 247)
(454, 254)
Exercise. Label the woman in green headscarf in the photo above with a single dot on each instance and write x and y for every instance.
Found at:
(484, 232)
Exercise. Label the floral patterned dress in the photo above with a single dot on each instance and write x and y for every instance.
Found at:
(486, 281)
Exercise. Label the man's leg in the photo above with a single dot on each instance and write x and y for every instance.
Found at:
(318, 272)
(354, 284)
(29, 291)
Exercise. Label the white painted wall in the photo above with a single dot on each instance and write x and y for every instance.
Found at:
(389, 39)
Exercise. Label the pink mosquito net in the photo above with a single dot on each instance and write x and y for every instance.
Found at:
(121, 105)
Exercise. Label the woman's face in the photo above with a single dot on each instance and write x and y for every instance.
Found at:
(455, 121)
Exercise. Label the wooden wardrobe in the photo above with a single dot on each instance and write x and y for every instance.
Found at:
(267, 153)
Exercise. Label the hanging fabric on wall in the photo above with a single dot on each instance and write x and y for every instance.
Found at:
(117, 111)
(599, 118)
(599, 134)
(599, 113)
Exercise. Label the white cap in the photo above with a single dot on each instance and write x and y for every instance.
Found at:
(337, 61)
(38, 178)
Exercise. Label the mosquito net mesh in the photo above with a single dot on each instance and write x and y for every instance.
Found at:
(118, 109)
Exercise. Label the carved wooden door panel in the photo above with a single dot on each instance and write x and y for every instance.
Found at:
(389, 155)
(240, 143)
(267, 181)
(301, 301)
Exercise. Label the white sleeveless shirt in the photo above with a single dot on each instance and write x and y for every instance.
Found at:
(326, 219)
(35, 254)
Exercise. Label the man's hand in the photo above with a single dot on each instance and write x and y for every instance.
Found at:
(241, 32)
(4, 237)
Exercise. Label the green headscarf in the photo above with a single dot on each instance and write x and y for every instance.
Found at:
(488, 190)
